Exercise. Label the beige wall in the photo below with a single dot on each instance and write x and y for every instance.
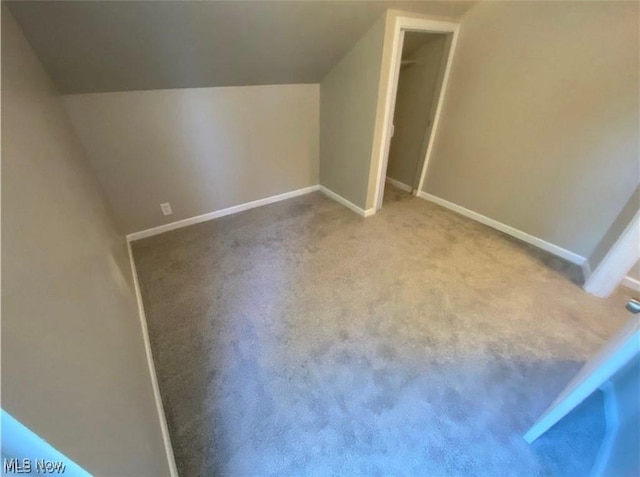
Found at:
(413, 109)
(348, 110)
(73, 362)
(201, 149)
(540, 124)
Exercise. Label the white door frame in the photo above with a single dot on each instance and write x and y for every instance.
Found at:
(402, 24)
(617, 262)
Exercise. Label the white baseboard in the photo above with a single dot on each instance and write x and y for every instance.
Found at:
(350, 205)
(631, 283)
(173, 470)
(218, 213)
(525, 237)
(399, 185)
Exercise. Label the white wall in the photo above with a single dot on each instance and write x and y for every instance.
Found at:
(540, 127)
(414, 100)
(201, 149)
(74, 368)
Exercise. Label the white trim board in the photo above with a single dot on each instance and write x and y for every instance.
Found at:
(632, 283)
(348, 204)
(398, 184)
(525, 237)
(173, 470)
(219, 213)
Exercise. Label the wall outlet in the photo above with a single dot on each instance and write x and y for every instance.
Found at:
(166, 208)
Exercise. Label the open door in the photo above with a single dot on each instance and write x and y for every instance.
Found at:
(612, 357)
(423, 61)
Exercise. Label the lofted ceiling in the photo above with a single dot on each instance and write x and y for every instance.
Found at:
(99, 46)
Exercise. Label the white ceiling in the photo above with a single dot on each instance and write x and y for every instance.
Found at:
(97, 46)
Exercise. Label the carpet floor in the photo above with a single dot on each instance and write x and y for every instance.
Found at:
(298, 339)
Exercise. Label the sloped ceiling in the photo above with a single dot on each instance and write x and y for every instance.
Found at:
(98, 46)
(414, 40)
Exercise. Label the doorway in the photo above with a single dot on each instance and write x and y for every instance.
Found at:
(410, 34)
(422, 66)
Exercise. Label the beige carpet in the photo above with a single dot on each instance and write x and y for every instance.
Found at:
(299, 339)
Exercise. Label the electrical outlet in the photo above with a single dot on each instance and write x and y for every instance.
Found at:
(166, 208)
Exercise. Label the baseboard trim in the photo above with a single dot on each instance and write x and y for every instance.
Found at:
(350, 205)
(398, 184)
(219, 213)
(525, 237)
(631, 283)
(173, 469)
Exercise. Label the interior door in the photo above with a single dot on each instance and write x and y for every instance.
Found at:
(615, 354)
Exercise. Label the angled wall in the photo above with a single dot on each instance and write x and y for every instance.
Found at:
(74, 368)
